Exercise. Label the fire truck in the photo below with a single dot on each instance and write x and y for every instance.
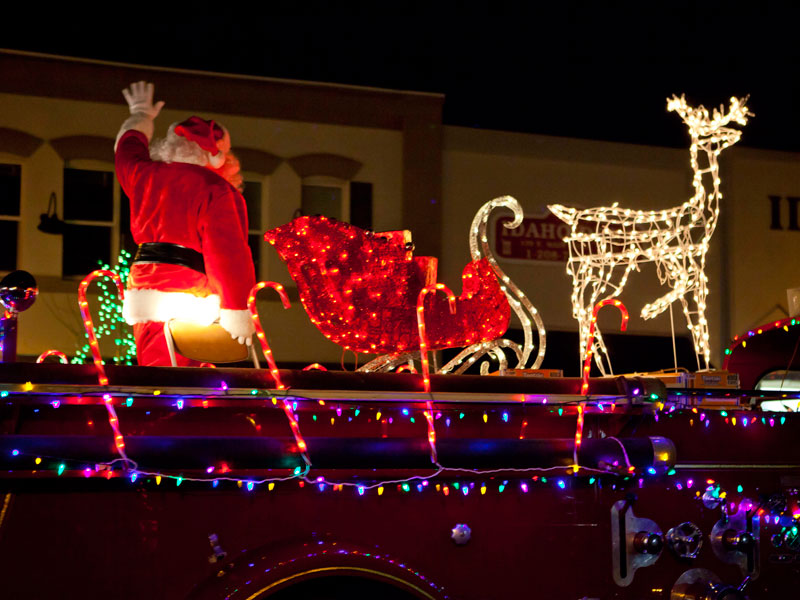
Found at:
(212, 484)
(246, 483)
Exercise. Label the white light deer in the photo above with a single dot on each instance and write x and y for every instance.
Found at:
(607, 243)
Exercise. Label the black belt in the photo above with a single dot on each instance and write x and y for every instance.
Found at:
(170, 254)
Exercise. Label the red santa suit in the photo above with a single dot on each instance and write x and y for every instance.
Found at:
(193, 207)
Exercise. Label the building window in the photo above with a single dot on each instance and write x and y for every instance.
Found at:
(327, 200)
(349, 201)
(254, 198)
(361, 204)
(10, 186)
(93, 205)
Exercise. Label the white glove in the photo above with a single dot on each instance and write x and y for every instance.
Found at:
(140, 100)
(239, 323)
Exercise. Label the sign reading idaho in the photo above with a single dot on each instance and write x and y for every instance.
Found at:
(538, 238)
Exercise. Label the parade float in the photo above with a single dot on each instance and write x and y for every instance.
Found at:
(405, 479)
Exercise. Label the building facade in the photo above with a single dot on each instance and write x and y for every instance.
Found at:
(380, 159)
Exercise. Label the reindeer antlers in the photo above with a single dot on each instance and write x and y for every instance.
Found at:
(698, 120)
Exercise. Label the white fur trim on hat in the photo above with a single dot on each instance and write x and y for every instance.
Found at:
(217, 160)
(142, 306)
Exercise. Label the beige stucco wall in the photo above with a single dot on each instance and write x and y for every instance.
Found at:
(763, 262)
(53, 321)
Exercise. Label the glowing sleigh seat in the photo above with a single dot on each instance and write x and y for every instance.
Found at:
(360, 289)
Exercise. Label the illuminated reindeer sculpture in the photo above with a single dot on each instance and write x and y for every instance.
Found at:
(607, 243)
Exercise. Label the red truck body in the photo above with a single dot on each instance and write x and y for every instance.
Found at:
(76, 524)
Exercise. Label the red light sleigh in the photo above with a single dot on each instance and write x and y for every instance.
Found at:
(360, 289)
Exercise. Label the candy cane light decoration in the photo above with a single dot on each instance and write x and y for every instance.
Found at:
(587, 364)
(423, 352)
(273, 367)
(587, 361)
(87, 318)
(57, 353)
(113, 421)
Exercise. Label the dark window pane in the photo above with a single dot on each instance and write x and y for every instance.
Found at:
(8, 245)
(361, 204)
(10, 176)
(84, 246)
(252, 196)
(322, 200)
(88, 195)
(255, 242)
(125, 236)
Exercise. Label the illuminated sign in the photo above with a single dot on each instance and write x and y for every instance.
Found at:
(539, 238)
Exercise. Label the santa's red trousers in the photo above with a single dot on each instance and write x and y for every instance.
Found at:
(151, 347)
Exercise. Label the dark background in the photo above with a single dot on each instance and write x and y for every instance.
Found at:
(590, 70)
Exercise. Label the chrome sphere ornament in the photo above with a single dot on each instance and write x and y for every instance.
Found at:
(18, 291)
(461, 534)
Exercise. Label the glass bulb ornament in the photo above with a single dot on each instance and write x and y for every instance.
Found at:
(461, 534)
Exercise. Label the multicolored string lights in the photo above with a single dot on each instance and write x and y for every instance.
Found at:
(441, 480)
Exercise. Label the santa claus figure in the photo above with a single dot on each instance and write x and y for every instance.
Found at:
(190, 223)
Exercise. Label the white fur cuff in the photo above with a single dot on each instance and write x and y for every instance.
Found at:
(138, 122)
(142, 306)
(238, 323)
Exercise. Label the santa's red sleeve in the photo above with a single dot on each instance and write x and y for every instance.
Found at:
(133, 154)
(223, 236)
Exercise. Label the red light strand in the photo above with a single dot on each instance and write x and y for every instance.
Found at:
(590, 345)
(251, 304)
(87, 318)
(360, 289)
(113, 421)
(423, 352)
(273, 367)
(587, 364)
(314, 367)
(61, 356)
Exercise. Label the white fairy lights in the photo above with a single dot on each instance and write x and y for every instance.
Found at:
(522, 307)
(606, 243)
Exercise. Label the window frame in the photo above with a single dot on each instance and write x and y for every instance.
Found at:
(330, 182)
(87, 164)
(263, 225)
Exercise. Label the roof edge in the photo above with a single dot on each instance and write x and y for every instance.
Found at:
(260, 78)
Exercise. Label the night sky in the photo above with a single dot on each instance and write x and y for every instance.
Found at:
(581, 71)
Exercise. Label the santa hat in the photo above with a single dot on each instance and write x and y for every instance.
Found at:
(209, 135)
